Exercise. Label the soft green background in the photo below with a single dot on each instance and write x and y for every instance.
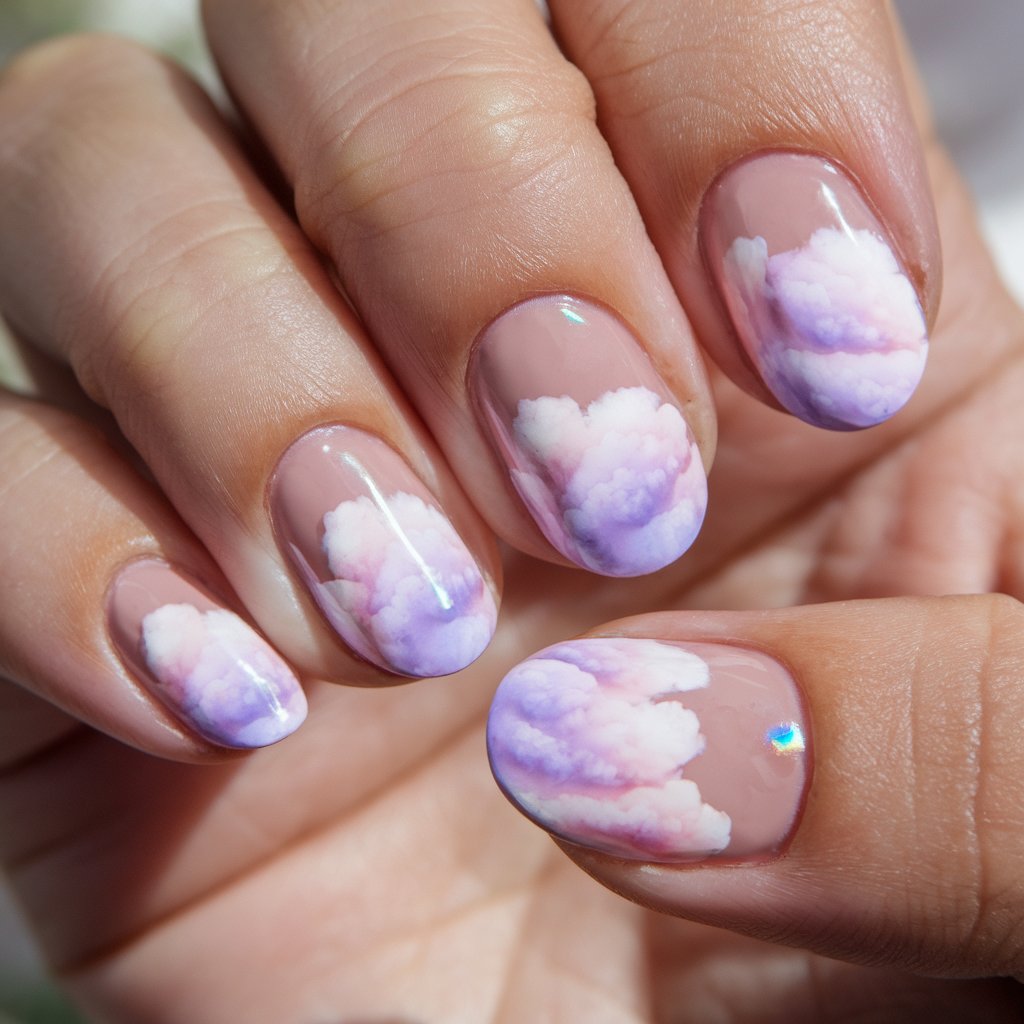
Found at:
(170, 25)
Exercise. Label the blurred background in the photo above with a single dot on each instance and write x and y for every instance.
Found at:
(969, 55)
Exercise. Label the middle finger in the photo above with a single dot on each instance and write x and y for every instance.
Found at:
(445, 156)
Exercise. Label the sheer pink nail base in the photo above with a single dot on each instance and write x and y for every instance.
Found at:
(594, 442)
(655, 751)
(204, 662)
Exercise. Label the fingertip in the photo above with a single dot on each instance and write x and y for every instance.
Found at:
(890, 836)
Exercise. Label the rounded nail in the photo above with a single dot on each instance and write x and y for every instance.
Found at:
(654, 750)
(594, 442)
(815, 290)
(382, 561)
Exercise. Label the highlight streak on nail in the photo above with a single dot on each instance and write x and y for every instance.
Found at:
(406, 593)
(444, 599)
(221, 676)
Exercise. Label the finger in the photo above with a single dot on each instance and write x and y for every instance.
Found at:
(445, 156)
(110, 610)
(901, 846)
(140, 246)
(773, 153)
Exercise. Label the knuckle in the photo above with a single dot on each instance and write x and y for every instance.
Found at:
(996, 934)
(966, 765)
(58, 100)
(165, 292)
(481, 126)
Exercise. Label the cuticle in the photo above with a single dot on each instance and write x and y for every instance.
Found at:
(840, 165)
(544, 293)
(198, 577)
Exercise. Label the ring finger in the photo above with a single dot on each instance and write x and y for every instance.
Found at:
(140, 246)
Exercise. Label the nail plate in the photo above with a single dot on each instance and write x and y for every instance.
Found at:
(653, 750)
(596, 446)
(213, 671)
(383, 563)
(815, 290)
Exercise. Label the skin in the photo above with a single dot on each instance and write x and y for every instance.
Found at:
(368, 865)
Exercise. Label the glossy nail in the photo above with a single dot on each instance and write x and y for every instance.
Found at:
(653, 750)
(596, 446)
(815, 289)
(213, 671)
(380, 558)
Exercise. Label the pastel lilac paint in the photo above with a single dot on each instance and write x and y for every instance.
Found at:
(385, 565)
(594, 442)
(406, 591)
(617, 486)
(584, 740)
(218, 674)
(842, 339)
(815, 289)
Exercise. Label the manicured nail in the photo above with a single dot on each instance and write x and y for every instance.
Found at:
(381, 560)
(596, 446)
(654, 751)
(816, 292)
(213, 671)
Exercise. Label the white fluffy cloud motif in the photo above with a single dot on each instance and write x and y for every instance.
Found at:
(584, 740)
(617, 486)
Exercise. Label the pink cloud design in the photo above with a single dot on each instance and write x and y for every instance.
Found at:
(617, 486)
(839, 335)
(407, 593)
(220, 675)
(587, 740)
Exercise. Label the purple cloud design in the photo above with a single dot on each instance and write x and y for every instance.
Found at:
(407, 594)
(586, 738)
(215, 671)
(839, 335)
(618, 486)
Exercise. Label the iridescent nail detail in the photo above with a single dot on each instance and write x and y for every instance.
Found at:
(653, 751)
(204, 662)
(595, 445)
(787, 738)
(818, 297)
(385, 565)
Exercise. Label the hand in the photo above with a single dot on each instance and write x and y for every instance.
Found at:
(448, 166)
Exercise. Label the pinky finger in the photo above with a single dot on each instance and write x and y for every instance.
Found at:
(111, 610)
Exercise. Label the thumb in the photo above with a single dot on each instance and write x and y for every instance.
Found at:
(682, 774)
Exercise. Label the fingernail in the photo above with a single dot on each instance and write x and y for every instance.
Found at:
(816, 292)
(380, 558)
(654, 751)
(596, 447)
(213, 671)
